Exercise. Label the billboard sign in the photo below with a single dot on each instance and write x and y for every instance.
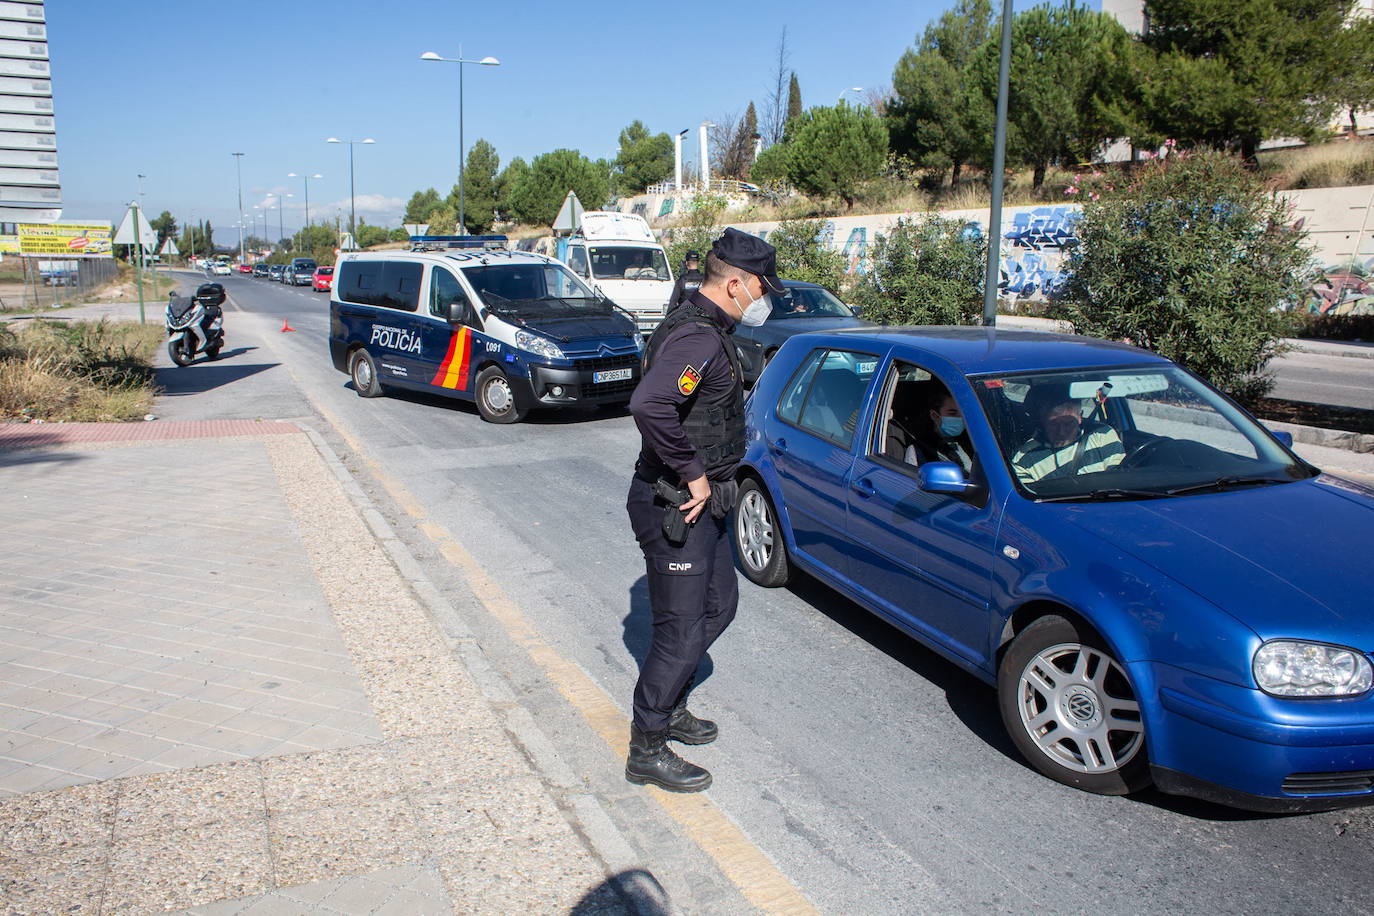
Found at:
(69, 240)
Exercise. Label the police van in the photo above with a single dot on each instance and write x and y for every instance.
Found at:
(510, 330)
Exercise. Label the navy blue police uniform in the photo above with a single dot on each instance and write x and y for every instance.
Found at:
(690, 413)
(689, 407)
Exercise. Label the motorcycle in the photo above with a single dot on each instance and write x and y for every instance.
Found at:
(195, 325)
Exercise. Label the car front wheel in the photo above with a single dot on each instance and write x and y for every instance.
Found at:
(496, 397)
(758, 539)
(1070, 709)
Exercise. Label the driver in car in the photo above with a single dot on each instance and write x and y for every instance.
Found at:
(1063, 444)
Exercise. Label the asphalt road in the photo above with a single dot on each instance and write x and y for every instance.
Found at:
(875, 775)
(1319, 379)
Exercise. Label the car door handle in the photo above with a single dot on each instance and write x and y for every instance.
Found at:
(778, 445)
(863, 487)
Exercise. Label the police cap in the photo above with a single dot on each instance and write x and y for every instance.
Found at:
(692, 256)
(750, 253)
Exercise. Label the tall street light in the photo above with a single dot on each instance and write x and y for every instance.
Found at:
(352, 210)
(843, 92)
(460, 60)
(238, 168)
(305, 179)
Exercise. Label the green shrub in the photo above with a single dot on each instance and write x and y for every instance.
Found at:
(1337, 327)
(801, 256)
(925, 271)
(1191, 258)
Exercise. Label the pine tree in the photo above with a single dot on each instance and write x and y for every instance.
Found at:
(479, 187)
(794, 101)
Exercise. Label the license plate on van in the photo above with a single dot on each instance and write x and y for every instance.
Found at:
(612, 375)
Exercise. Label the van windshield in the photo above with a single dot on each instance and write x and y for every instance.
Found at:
(624, 263)
(526, 288)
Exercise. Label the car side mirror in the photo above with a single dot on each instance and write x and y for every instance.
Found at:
(1286, 438)
(943, 477)
(459, 312)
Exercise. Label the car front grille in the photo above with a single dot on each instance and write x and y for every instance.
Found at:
(1346, 783)
(601, 363)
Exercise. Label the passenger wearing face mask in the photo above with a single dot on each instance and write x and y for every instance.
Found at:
(689, 407)
(947, 439)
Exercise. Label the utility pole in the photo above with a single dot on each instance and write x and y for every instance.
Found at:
(999, 168)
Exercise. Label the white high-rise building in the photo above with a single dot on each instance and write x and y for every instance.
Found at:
(29, 188)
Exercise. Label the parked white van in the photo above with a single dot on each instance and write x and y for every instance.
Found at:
(617, 254)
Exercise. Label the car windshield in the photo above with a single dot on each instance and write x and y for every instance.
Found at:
(808, 302)
(324, 271)
(628, 263)
(532, 289)
(1135, 433)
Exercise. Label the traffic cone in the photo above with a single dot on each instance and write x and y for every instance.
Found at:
(285, 326)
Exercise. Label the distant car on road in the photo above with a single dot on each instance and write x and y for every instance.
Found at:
(1158, 588)
(245, 268)
(300, 272)
(259, 270)
(803, 307)
(274, 271)
(221, 269)
(323, 280)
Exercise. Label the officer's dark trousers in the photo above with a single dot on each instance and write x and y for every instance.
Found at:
(693, 595)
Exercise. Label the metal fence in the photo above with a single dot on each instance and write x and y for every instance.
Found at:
(59, 281)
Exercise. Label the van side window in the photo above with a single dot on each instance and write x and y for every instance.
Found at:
(444, 289)
(389, 284)
(577, 260)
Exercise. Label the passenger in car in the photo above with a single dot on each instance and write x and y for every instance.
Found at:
(927, 425)
(1063, 445)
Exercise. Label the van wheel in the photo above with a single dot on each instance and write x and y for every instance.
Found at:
(758, 538)
(496, 398)
(363, 371)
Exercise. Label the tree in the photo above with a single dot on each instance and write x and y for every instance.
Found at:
(1230, 74)
(940, 116)
(926, 271)
(537, 195)
(735, 143)
(1353, 89)
(1073, 67)
(507, 180)
(479, 181)
(831, 151)
(794, 101)
(420, 205)
(699, 231)
(776, 101)
(801, 256)
(368, 235)
(1192, 259)
(644, 158)
(165, 226)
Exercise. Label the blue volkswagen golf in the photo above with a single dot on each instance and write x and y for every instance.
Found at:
(1159, 589)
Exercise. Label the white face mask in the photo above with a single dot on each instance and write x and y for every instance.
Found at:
(756, 312)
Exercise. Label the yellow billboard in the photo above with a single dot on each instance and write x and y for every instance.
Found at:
(66, 240)
(9, 244)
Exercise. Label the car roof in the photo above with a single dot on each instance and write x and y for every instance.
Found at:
(466, 257)
(980, 350)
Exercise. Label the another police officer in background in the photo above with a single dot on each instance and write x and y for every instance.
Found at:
(689, 280)
(689, 406)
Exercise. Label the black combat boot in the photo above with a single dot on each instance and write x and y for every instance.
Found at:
(687, 728)
(653, 761)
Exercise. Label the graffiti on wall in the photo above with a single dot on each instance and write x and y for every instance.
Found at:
(1343, 290)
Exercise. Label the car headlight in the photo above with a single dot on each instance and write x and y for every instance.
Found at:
(639, 341)
(1291, 668)
(538, 344)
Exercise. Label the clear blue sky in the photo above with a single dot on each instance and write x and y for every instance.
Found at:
(170, 89)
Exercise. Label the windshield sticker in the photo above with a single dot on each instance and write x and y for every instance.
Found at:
(689, 379)
(453, 371)
(395, 339)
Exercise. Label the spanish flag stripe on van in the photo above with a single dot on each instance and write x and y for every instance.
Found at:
(453, 371)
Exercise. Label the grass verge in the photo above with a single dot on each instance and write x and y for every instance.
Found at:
(79, 371)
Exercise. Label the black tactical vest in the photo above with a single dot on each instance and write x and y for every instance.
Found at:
(715, 425)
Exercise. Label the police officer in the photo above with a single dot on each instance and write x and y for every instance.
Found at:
(688, 279)
(689, 407)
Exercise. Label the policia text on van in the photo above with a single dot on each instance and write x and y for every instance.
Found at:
(510, 330)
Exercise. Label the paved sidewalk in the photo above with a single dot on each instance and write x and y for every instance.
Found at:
(218, 695)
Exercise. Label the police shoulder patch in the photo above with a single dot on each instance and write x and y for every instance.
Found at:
(687, 382)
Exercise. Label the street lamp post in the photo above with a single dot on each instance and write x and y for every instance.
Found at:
(305, 179)
(843, 92)
(238, 168)
(352, 210)
(460, 60)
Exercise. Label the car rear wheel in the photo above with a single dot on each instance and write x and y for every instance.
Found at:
(1070, 709)
(758, 539)
(496, 397)
(363, 371)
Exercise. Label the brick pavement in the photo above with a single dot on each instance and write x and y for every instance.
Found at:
(275, 726)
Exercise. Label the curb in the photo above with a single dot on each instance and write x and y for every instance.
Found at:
(1360, 443)
(1322, 348)
(624, 868)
